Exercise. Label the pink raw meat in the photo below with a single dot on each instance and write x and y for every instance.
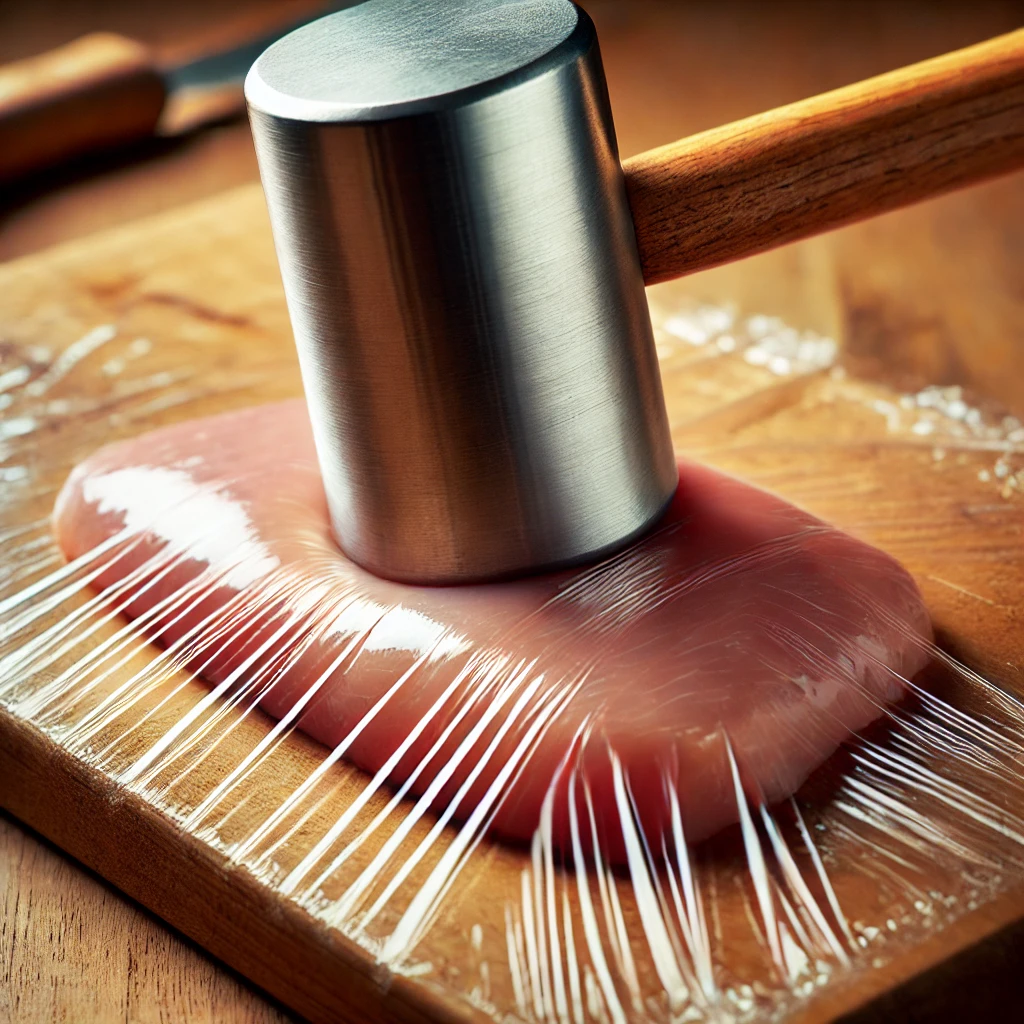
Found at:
(740, 621)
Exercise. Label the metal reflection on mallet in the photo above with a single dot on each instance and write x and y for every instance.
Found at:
(462, 271)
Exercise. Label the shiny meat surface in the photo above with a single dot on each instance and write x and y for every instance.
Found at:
(741, 625)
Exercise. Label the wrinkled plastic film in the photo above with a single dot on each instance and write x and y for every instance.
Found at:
(908, 827)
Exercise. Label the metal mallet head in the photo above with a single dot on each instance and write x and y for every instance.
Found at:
(462, 268)
(463, 282)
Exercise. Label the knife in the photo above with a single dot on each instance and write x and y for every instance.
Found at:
(104, 91)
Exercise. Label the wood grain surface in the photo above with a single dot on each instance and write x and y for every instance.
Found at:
(930, 295)
(218, 328)
(73, 949)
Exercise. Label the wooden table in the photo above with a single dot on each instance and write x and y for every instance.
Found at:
(73, 949)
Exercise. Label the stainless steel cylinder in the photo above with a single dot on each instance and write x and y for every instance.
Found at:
(463, 283)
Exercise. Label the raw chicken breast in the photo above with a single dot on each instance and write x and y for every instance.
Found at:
(742, 639)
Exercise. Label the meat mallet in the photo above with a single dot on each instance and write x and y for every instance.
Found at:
(464, 259)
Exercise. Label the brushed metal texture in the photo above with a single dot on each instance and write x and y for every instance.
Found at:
(464, 287)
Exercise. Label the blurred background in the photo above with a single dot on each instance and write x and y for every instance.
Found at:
(674, 67)
(939, 279)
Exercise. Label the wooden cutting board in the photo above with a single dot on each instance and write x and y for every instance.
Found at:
(183, 316)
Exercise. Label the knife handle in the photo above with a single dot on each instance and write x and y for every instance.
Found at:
(826, 161)
(99, 91)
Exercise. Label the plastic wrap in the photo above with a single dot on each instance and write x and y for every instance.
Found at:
(909, 827)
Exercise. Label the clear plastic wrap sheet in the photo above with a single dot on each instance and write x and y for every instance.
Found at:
(907, 828)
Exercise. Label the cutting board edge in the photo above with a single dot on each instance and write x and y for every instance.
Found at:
(84, 813)
(223, 908)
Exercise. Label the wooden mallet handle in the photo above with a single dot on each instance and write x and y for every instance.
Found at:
(99, 91)
(829, 160)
